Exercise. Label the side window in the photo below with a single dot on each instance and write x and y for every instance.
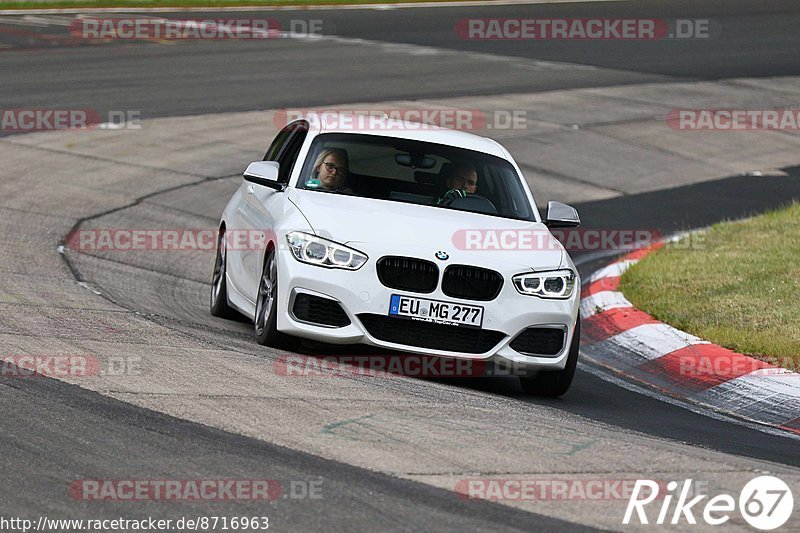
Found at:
(287, 157)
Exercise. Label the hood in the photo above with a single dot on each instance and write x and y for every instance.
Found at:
(466, 237)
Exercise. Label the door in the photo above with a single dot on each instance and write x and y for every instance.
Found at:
(261, 207)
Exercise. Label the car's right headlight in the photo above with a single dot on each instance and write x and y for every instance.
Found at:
(552, 284)
(317, 251)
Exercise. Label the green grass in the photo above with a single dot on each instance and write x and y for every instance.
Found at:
(62, 4)
(739, 288)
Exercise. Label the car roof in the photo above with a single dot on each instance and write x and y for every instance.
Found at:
(359, 123)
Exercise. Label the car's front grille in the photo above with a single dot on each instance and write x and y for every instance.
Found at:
(408, 274)
(471, 283)
(310, 308)
(539, 341)
(429, 335)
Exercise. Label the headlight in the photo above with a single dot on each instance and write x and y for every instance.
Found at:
(322, 252)
(553, 284)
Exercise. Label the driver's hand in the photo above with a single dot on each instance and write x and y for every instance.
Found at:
(451, 195)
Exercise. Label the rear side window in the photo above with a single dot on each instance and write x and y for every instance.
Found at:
(285, 148)
(275, 148)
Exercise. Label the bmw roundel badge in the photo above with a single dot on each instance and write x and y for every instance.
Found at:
(442, 255)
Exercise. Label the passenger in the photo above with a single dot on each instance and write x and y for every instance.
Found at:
(330, 171)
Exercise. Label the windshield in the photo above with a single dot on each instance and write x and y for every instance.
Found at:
(402, 170)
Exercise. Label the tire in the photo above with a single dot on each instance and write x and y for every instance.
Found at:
(218, 304)
(554, 384)
(266, 319)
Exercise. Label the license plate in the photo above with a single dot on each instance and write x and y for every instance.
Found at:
(435, 311)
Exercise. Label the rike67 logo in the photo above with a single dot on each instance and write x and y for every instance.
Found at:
(765, 502)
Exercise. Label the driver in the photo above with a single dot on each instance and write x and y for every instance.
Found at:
(463, 178)
(460, 180)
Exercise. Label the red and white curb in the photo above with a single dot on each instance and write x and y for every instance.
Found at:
(627, 340)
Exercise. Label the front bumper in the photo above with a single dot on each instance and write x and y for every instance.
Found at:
(360, 292)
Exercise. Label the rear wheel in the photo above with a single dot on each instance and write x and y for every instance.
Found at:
(555, 383)
(219, 285)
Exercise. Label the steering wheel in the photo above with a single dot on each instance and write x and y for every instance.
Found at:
(457, 199)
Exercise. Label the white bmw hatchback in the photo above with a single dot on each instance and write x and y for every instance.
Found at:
(396, 235)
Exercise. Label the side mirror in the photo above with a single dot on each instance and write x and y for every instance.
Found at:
(264, 173)
(561, 216)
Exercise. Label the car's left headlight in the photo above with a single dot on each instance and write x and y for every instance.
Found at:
(552, 284)
(315, 250)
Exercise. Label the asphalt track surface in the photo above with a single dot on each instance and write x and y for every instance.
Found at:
(61, 442)
(44, 67)
(58, 431)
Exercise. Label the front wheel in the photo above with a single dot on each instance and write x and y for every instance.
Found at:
(555, 383)
(266, 319)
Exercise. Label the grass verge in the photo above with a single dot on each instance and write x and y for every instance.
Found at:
(739, 287)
